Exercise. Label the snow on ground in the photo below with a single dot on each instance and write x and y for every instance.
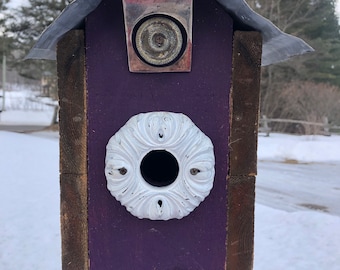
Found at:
(296, 187)
(296, 241)
(286, 238)
(300, 175)
(290, 148)
(29, 203)
(26, 107)
(18, 117)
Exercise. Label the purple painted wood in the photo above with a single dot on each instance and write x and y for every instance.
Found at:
(118, 240)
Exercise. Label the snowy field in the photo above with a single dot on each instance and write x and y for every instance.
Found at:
(297, 213)
(29, 202)
(297, 216)
(26, 107)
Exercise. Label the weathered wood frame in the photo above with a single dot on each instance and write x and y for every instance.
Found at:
(73, 150)
(244, 113)
(244, 106)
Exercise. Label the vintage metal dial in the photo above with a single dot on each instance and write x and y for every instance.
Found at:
(159, 40)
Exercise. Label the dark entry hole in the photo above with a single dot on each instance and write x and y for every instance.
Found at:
(159, 168)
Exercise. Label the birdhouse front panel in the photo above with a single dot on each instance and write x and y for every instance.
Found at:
(158, 141)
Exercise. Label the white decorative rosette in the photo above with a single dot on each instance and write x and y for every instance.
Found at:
(173, 133)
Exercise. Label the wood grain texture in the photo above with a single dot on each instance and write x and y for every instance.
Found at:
(244, 104)
(73, 150)
(240, 245)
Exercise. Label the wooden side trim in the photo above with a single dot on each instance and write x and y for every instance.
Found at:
(73, 150)
(244, 107)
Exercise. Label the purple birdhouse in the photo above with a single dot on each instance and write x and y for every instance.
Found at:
(159, 105)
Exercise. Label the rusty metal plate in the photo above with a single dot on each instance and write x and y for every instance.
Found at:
(158, 35)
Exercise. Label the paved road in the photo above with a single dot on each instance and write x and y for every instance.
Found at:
(295, 187)
(21, 128)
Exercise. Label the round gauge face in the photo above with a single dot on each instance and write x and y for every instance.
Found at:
(159, 40)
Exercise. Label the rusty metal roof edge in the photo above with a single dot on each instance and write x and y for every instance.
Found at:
(277, 45)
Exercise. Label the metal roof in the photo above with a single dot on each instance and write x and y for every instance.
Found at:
(277, 45)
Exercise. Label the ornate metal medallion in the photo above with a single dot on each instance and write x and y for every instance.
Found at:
(160, 165)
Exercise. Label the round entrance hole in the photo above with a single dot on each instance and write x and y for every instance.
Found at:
(159, 168)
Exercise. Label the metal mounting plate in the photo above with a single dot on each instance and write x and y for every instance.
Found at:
(158, 35)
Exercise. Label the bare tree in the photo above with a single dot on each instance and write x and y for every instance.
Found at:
(314, 21)
(310, 102)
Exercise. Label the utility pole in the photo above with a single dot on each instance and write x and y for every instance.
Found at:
(3, 81)
(3, 15)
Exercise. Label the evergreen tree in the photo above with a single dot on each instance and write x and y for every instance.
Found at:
(3, 28)
(314, 21)
(31, 21)
(309, 18)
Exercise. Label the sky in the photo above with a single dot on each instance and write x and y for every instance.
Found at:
(16, 3)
